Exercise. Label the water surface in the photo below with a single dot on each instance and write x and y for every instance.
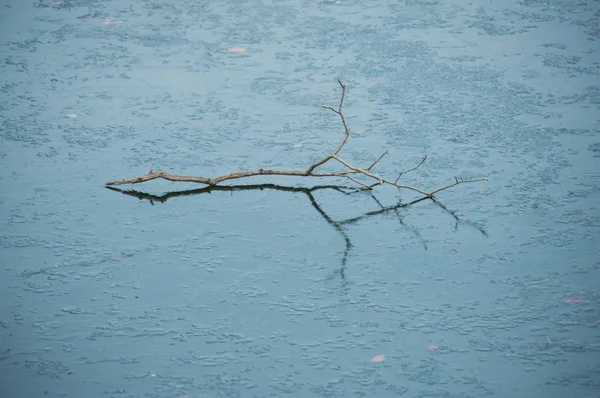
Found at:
(274, 290)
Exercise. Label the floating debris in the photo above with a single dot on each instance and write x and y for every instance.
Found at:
(574, 299)
(236, 49)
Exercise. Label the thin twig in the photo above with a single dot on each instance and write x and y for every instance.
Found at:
(457, 181)
(341, 115)
(375, 162)
(360, 183)
(414, 168)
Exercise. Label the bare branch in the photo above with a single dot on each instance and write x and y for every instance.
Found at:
(309, 172)
(231, 176)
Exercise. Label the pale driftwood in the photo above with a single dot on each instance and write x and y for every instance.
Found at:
(309, 172)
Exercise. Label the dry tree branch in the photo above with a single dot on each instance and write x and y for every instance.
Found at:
(309, 172)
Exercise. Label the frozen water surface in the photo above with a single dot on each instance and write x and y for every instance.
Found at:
(492, 291)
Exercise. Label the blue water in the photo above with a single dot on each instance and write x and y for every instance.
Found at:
(289, 288)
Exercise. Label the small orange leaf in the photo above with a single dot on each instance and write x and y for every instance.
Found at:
(378, 358)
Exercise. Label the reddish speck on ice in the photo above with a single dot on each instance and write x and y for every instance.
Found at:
(378, 358)
(236, 49)
(574, 299)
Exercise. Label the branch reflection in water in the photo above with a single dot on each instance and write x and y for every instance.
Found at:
(340, 226)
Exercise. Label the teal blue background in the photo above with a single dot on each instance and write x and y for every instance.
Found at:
(276, 293)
